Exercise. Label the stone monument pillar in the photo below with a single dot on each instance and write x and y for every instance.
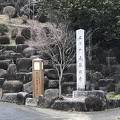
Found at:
(81, 68)
(80, 61)
(80, 58)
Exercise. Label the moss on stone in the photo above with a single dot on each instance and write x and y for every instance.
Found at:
(113, 96)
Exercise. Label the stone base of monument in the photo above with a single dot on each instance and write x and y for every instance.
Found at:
(69, 104)
(33, 102)
(94, 100)
(82, 101)
(95, 93)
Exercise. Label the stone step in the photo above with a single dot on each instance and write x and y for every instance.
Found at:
(9, 47)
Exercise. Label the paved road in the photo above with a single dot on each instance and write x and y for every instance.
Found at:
(15, 112)
(112, 114)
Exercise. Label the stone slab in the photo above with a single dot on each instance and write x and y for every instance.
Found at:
(80, 94)
(32, 102)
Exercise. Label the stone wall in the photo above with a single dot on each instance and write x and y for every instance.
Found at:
(16, 71)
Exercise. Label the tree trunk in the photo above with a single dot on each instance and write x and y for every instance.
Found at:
(60, 80)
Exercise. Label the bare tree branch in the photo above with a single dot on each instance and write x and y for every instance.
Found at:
(58, 42)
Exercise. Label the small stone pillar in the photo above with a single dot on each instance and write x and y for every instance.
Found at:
(38, 77)
(11, 71)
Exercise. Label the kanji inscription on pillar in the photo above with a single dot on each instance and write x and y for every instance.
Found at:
(80, 59)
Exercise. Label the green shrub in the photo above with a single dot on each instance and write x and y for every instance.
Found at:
(113, 96)
(3, 29)
(26, 33)
(4, 40)
(20, 40)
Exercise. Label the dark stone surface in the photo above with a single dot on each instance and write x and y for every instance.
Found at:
(20, 40)
(12, 86)
(33, 102)
(15, 56)
(82, 101)
(94, 103)
(96, 76)
(2, 57)
(28, 77)
(9, 47)
(116, 77)
(71, 69)
(95, 93)
(41, 102)
(54, 84)
(46, 82)
(21, 97)
(11, 72)
(20, 76)
(48, 66)
(6, 54)
(34, 56)
(10, 55)
(1, 81)
(26, 32)
(42, 18)
(107, 84)
(51, 74)
(89, 104)
(94, 100)
(4, 64)
(69, 77)
(24, 77)
(113, 104)
(4, 40)
(3, 73)
(9, 97)
(24, 64)
(68, 87)
(28, 87)
(69, 105)
(117, 88)
(43, 55)
(29, 52)
(47, 102)
(21, 47)
(51, 93)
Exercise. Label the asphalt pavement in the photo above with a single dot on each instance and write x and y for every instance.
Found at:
(18, 112)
